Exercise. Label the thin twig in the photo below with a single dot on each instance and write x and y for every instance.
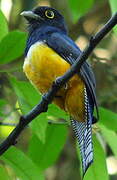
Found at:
(48, 97)
(49, 122)
(7, 124)
(58, 122)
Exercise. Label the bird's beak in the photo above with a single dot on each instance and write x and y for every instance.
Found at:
(30, 15)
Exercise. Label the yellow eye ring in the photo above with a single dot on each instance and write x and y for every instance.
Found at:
(49, 14)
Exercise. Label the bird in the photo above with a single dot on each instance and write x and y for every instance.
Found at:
(49, 53)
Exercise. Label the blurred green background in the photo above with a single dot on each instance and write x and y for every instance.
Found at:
(49, 151)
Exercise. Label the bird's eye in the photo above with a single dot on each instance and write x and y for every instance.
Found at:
(49, 14)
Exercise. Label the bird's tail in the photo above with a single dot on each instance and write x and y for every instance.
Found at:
(83, 133)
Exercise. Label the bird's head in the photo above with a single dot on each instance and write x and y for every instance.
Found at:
(44, 16)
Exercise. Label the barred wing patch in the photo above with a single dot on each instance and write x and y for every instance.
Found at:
(83, 133)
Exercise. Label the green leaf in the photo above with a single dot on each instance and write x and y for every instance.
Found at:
(3, 26)
(22, 165)
(113, 6)
(98, 168)
(56, 112)
(12, 46)
(110, 137)
(44, 155)
(28, 97)
(2, 103)
(108, 118)
(39, 126)
(3, 173)
(79, 7)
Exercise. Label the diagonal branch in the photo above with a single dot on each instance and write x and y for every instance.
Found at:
(48, 97)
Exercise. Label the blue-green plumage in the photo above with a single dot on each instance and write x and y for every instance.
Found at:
(52, 31)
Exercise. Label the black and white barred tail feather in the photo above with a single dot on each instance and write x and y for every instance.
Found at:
(83, 133)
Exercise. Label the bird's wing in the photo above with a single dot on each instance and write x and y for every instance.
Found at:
(67, 49)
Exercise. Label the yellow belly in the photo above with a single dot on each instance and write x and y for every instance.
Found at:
(42, 66)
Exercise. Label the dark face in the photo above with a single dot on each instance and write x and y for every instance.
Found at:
(43, 15)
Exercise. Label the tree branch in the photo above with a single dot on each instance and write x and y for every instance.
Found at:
(48, 97)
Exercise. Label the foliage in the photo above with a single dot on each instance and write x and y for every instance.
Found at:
(47, 141)
(99, 161)
(23, 166)
(16, 40)
(79, 7)
(3, 26)
(113, 5)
